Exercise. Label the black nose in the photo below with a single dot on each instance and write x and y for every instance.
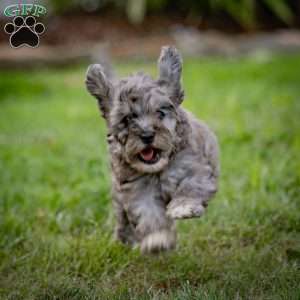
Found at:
(147, 137)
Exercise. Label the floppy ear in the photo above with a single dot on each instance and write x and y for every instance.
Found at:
(170, 66)
(100, 87)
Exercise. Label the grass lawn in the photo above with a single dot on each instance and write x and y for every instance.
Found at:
(56, 219)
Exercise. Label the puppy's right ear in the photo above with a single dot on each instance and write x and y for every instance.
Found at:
(100, 87)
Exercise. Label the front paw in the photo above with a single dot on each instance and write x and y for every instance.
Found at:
(184, 208)
(158, 241)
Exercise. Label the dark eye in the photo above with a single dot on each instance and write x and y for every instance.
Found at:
(133, 99)
(134, 116)
(125, 121)
(161, 114)
(130, 117)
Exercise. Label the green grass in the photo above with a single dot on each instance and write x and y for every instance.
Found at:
(56, 219)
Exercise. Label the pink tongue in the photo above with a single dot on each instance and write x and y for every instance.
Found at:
(147, 154)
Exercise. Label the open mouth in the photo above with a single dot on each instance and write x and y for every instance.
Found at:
(149, 155)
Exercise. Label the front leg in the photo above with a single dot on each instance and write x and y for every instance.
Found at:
(153, 228)
(193, 193)
(147, 212)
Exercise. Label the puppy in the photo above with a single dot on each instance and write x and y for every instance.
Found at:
(164, 161)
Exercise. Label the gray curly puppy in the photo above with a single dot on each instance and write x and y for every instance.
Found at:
(164, 161)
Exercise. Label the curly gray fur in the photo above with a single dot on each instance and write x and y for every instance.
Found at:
(164, 161)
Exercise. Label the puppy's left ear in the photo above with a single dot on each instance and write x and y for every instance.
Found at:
(170, 67)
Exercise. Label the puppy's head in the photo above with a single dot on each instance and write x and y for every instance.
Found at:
(142, 113)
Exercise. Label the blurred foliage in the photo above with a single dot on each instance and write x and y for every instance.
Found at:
(244, 12)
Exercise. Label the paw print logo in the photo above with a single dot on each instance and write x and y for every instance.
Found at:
(24, 32)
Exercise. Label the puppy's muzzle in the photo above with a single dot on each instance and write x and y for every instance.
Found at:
(147, 137)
